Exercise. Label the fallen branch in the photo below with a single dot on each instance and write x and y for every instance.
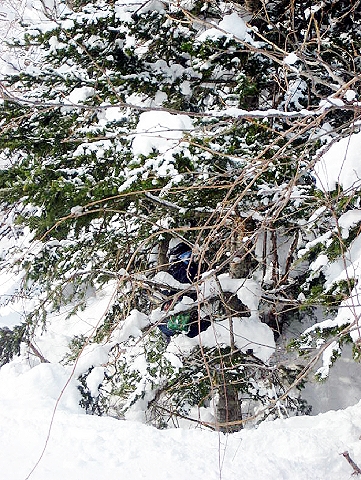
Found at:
(356, 469)
(37, 353)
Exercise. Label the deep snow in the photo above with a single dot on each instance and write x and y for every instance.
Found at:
(40, 412)
(45, 435)
(79, 446)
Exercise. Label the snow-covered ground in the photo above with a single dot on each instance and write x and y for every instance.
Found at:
(45, 435)
(39, 405)
(61, 442)
(42, 426)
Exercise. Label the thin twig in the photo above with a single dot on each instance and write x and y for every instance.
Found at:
(356, 469)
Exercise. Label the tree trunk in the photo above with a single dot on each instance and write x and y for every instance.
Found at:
(243, 262)
(228, 409)
(163, 263)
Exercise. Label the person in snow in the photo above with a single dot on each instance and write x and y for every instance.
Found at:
(184, 269)
(182, 266)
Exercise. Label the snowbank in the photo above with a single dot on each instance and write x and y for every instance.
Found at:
(81, 446)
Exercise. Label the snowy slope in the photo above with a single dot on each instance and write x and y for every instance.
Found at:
(78, 446)
(45, 435)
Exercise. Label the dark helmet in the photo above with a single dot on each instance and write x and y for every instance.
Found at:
(179, 249)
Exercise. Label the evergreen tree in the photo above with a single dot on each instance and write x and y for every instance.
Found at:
(144, 125)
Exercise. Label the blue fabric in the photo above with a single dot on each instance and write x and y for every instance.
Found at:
(185, 257)
(164, 329)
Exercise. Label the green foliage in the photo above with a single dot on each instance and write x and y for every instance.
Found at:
(235, 186)
(10, 341)
(307, 343)
(179, 322)
(76, 346)
(91, 405)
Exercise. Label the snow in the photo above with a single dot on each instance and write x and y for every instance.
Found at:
(325, 239)
(11, 308)
(45, 438)
(313, 9)
(94, 379)
(152, 5)
(44, 433)
(290, 59)
(77, 210)
(330, 102)
(340, 165)
(350, 95)
(132, 326)
(348, 220)
(55, 44)
(329, 352)
(233, 25)
(320, 261)
(80, 95)
(295, 93)
(347, 267)
(249, 335)
(159, 130)
(343, 377)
